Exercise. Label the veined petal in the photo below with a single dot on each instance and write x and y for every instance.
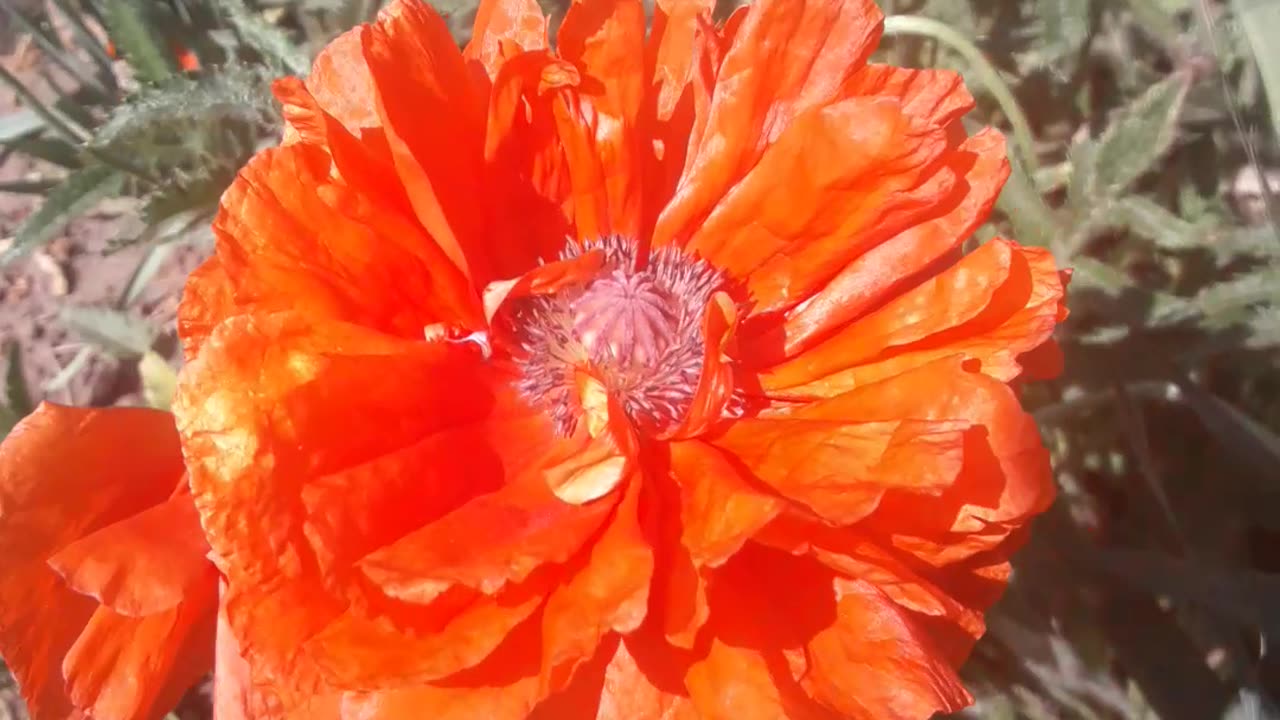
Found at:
(501, 24)
(599, 123)
(608, 592)
(720, 507)
(139, 667)
(433, 113)
(889, 268)
(786, 58)
(142, 565)
(796, 218)
(871, 662)
(995, 304)
(513, 531)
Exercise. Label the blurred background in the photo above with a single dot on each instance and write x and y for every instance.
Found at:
(1143, 137)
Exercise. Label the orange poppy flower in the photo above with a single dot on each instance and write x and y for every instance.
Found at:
(636, 379)
(107, 600)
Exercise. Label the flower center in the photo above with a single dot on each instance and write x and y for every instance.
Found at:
(635, 331)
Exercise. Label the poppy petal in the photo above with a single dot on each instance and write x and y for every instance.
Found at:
(720, 507)
(139, 667)
(433, 113)
(341, 82)
(841, 469)
(786, 240)
(787, 57)
(608, 593)
(142, 565)
(993, 305)
(499, 22)
(257, 387)
(890, 267)
(614, 686)
(208, 298)
(598, 124)
(873, 663)
(343, 257)
(409, 644)
(515, 530)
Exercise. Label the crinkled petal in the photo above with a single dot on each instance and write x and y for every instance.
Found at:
(797, 218)
(841, 468)
(510, 533)
(359, 652)
(872, 662)
(721, 508)
(890, 267)
(67, 473)
(139, 667)
(289, 237)
(609, 592)
(787, 57)
(434, 116)
(342, 84)
(599, 123)
(275, 403)
(502, 23)
(992, 306)
(142, 565)
(617, 685)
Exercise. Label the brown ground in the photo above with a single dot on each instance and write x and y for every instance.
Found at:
(72, 270)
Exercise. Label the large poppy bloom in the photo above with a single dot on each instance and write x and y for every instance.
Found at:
(638, 379)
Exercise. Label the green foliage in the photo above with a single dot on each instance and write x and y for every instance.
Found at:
(80, 192)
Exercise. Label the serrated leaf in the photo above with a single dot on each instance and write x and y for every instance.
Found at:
(235, 94)
(17, 397)
(1145, 218)
(77, 194)
(113, 331)
(267, 39)
(129, 23)
(1139, 135)
(159, 381)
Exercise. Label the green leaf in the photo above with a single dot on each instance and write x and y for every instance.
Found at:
(1145, 218)
(1244, 438)
(18, 124)
(115, 332)
(1246, 597)
(1034, 223)
(80, 192)
(267, 39)
(130, 24)
(234, 94)
(142, 275)
(17, 397)
(1256, 16)
(159, 381)
(1137, 137)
